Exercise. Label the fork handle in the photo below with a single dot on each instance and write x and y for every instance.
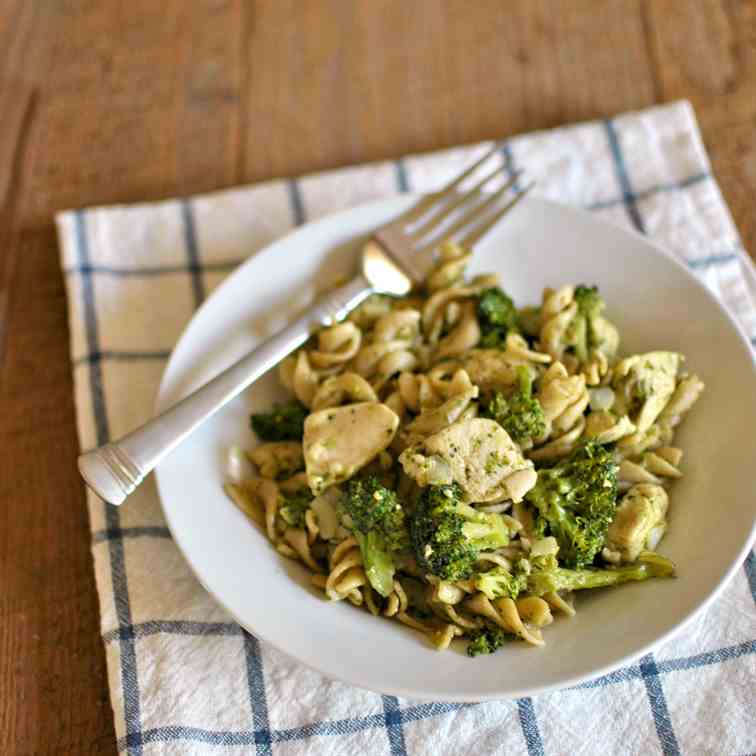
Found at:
(115, 469)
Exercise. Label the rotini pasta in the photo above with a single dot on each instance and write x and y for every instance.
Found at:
(564, 399)
(464, 467)
(574, 331)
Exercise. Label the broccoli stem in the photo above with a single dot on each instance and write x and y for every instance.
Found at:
(649, 565)
(378, 562)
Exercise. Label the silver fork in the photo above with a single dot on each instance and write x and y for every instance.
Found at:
(395, 258)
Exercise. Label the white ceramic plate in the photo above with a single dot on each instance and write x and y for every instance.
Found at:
(656, 303)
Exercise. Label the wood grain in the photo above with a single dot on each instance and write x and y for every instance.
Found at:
(333, 91)
(706, 52)
(53, 691)
(15, 104)
(147, 100)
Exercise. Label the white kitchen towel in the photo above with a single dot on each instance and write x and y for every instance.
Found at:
(184, 678)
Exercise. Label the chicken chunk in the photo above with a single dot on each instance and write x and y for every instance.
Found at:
(644, 384)
(477, 454)
(339, 441)
(638, 524)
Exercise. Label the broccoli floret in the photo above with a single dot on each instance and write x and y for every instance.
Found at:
(589, 301)
(372, 508)
(521, 414)
(589, 330)
(294, 506)
(447, 534)
(497, 316)
(576, 501)
(497, 308)
(487, 640)
(553, 578)
(501, 583)
(375, 516)
(285, 422)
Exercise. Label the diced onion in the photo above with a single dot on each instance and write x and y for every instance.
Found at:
(448, 593)
(503, 506)
(602, 398)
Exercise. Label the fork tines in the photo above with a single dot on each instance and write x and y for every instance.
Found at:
(467, 207)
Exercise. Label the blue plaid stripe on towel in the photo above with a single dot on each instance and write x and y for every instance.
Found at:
(186, 679)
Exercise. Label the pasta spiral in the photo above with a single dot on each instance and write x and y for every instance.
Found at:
(419, 392)
(443, 307)
(303, 373)
(278, 459)
(450, 268)
(336, 345)
(524, 618)
(557, 312)
(563, 399)
(346, 575)
(464, 332)
(656, 467)
(391, 349)
(298, 375)
(584, 343)
(338, 388)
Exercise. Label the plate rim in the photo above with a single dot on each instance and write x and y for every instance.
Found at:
(161, 403)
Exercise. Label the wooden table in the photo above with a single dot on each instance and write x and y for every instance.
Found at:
(113, 102)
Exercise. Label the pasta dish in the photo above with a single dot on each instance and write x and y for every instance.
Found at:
(464, 466)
